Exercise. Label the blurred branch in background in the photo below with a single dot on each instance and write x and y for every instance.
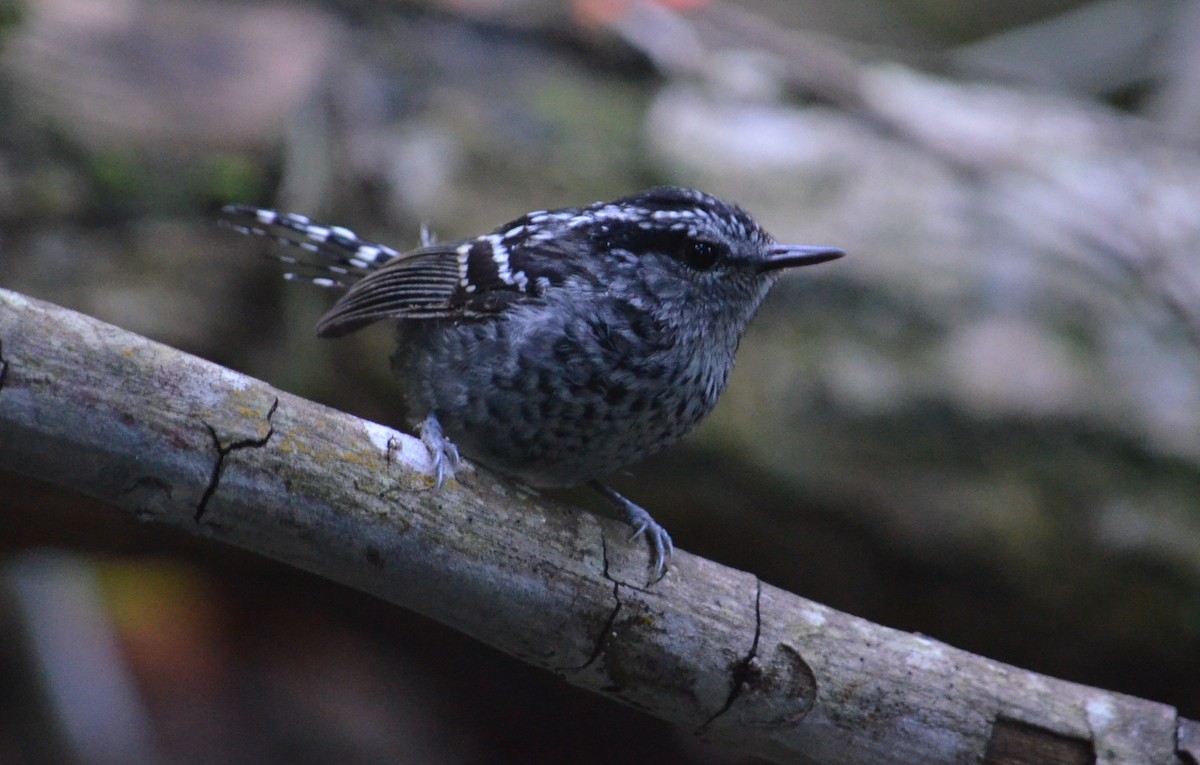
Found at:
(181, 76)
(1176, 104)
(68, 656)
(1061, 52)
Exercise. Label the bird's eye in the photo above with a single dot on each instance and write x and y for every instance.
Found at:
(699, 254)
(696, 254)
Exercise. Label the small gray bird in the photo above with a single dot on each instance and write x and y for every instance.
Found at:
(564, 345)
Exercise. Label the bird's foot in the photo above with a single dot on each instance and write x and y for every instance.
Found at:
(643, 525)
(442, 450)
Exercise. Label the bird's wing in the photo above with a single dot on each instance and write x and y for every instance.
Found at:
(469, 279)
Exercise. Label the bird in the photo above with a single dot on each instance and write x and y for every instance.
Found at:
(562, 346)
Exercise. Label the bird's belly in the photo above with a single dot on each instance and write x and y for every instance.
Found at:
(559, 421)
(553, 409)
(556, 440)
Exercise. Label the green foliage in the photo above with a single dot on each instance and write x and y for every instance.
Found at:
(127, 182)
(12, 13)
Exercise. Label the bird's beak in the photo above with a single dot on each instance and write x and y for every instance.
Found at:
(780, 256)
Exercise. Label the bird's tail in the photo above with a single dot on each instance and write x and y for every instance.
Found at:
(329, 256)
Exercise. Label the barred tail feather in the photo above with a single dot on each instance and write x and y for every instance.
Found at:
(330, 256)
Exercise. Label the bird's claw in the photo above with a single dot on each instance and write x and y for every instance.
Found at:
(661, 546)
(660, 543)
(442, 450)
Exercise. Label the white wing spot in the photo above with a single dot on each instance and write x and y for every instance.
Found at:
(463, 253)
(500, 258)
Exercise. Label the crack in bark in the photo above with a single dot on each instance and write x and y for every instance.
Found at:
(224, 451)
(602, 638)
(747, 666)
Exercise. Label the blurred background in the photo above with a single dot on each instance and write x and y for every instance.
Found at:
(983, 425)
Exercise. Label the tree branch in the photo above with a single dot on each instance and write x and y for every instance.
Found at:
(173, 439)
